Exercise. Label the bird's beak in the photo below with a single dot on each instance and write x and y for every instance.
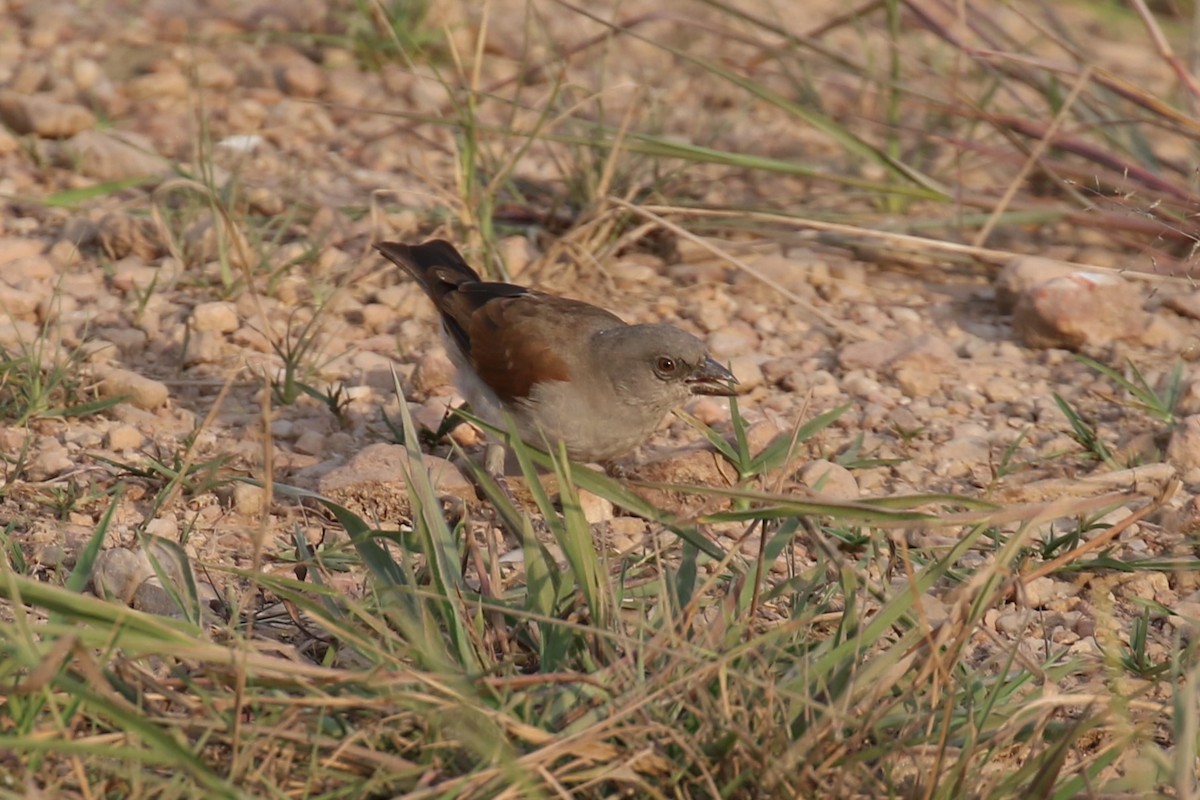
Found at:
(712, 378)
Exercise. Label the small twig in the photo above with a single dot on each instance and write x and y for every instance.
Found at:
(653, 213)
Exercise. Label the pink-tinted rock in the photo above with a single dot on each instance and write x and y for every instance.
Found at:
(1078, 310)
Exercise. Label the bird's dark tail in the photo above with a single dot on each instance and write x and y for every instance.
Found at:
(436, 265)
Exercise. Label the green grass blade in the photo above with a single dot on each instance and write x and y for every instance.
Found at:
(86, 561)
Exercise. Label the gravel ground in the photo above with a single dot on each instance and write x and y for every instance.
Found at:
(139, 287)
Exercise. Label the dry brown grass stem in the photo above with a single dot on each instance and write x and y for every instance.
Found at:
(1113, 531)
(902, 241)
(1032, 160)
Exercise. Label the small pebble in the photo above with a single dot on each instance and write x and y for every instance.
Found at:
(124, 437)
(221, 317)
(248, 499)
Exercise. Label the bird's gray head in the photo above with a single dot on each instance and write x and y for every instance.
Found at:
(659, 365)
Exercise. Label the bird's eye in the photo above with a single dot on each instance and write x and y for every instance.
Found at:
(665, 365)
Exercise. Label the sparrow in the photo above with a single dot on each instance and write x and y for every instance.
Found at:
(563, 370)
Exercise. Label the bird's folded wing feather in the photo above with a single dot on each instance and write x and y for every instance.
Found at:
(515, 342)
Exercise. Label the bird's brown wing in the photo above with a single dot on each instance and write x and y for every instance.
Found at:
(516, 342)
